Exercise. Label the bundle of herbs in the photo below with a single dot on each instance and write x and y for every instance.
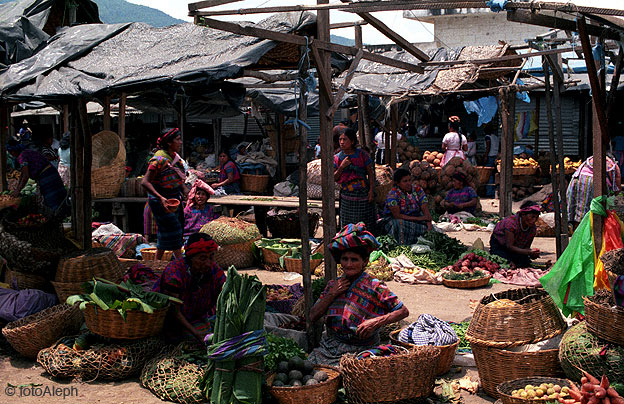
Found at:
(449, 246)
(433, 260)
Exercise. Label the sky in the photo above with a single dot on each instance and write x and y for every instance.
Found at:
(413, 31)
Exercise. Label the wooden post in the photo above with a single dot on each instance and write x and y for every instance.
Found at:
(279, 120)
(106, 118)
(327, 145)
(65, 118)
(366, 121)
(553, 158)
(216, 126)
(85, 131)
(78, 169)
(73, 164)
(122, 118)
(4, 137)
(537, 120)
(508, 103)
(360, 97)
(181, 124)
(386, 135)
(394, 109)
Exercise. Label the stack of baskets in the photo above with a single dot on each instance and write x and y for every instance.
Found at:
(108, 170)
(149, 254)
(447, 352)
(510, 319)
(235, 238)
(406, 376)
(80, 267)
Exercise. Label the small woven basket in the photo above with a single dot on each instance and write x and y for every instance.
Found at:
(287, 225)
(270, 257)
(447, 352)
(66, 289)
(21, 280)
(505, 389)
(7, 202)
(33, 333)
(108, 170)
(534, 317)
(322, 393)
(110, 324)
(149, 254)
(296, 264)
(484, 174)
(496, 365)
(381, 193)
(466, 284)
(605, 322)
(254, 183)
(390, 378)
(238, 255)
(83, 266)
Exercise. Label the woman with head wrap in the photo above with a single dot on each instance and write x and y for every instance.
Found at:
(196, 280)
(356, 305)
(64, 159)
(462, 197)
(164, 180)
(197, 212)
(454, 144)
(354, 171)
(406, 215)
(512, 237)
(229, 175)
(33, 165)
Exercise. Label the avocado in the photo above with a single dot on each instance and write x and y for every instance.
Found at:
(295, 363)
(295, 375)
(278, 383)
(306, 378)
(320, 376)
(308, 367)
(296, 383)
(282, 377)
(311, 382)
(282, 367)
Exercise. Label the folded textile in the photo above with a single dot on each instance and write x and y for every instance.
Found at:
(259, 158)
(405, 271)
(16, 304)
(428, 330)
(520, 276)
(123, 245)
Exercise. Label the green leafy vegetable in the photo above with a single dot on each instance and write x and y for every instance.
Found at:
(451, 247)
(280, 349)
(388, 243)
(464, 276)
(460, 330)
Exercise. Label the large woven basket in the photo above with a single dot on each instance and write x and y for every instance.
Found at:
(496, 365)
(238, 255)
(447, 352)
(288, 225)
(533, 318)
(381, 193)
(83, 266)
(254, 183)
(466, 284)
(21, 280)
(8, 201)
(66, 289)
(108, 170)
(110, 324)
(605, 322)
(484, 174)
(322, 393)
(33, 333)
(505, 389)
(296, 264)
(149, 254)
(270, 257)
(390, 378)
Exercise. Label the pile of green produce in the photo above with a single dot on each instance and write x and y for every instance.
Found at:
(106, 295)
(280, 246)
(297, 372)
(387, 243)
(449, 246)
(280, 349)
(502, 262)
(464, 276)
(318, 286)
(460, 329)
(476, 220)
(433, 260)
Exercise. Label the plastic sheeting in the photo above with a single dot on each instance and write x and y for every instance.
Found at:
(85, 60)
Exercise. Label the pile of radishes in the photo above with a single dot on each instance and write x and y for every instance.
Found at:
(593, 391)
(472, 262)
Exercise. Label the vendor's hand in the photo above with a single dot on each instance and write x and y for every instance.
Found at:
(451, 205)
(367, 328)
(163, 202)
(339, 287)
(429, 225)
(345, 163)
(535, 253)
(371, 196)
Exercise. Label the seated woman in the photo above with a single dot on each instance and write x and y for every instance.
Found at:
(197, 280)
(197, 212)
(229, 175)
(356, 304)
(512, 236)
(462, 198)
(406, 215)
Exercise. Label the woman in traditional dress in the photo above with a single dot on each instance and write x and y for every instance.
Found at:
(164, 180)
(196, 280)
(354, 171)
(406, 214)
(197, 212)
(462, 197)
(581, 188)
(454, 144)
(229, 175)
(356, 305)
(512, 237)
(64, 153)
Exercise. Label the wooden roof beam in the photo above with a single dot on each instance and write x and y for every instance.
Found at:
(208, 3)
(339, 25)
(303, 41)
(528, 17)
(270, 78)
(500, 58)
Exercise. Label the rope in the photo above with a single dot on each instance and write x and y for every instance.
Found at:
(252, 343)
(302, 85)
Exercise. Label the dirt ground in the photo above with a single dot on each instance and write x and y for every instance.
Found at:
(447, 304)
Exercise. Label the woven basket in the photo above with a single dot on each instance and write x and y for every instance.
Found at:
(296, 264)
(534, 318)
(83, 266)
(108, 170)
(288, 225)
(270, 257)
(149, 254)
(496, 365)
(505, 389)
(466, 284)
(239, 255)
(110, 324)
(66, 289)
(484, 174)
(22, 280)
(390, 378)
(322, 393)
(447, 352)
(254, 183)
(518, 171)
(381, 193)
(33, 333)
(7, 202)
(605, 322)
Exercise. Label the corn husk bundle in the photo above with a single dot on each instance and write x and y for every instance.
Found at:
(407, 152)
(425, 175)
(230, 230)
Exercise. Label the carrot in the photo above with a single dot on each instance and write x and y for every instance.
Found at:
(591, 378)
(617, 400)
(604, 382)
(588, 387)
(593, 400)
(612, 393)
(600, 392)
(584, 380)
(606, 400)
(575, 394)
(584, 400)
(574, 387)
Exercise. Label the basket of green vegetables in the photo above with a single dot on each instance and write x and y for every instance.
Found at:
(465, 280)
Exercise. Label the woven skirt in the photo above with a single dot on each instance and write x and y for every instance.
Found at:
(355, 208)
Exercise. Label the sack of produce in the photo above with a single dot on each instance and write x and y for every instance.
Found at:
(425, 175)
(178, 375)
(229, 230)
(90, 357)
(457, 165)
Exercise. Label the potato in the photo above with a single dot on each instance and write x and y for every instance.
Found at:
(414, 163)
(440, 155)
(438, 199)
(424, 165)
(425, 175)
(432, 184)
(436, 162)
(416, 171)
(423, 183)
(430, 158)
